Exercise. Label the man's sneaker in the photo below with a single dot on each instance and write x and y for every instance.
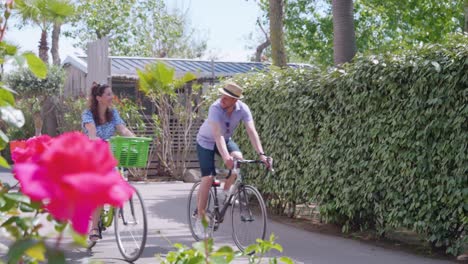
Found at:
(199, 229)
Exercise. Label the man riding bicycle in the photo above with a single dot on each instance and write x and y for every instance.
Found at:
(214, 136)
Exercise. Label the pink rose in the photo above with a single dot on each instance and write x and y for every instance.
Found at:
(31, 149)
(73, 177)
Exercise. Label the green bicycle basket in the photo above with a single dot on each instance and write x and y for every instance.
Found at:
(130, 151)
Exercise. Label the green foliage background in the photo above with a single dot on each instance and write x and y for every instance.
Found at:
(380, 144)
(26, 84)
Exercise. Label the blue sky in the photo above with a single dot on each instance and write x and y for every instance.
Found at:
(224, 23)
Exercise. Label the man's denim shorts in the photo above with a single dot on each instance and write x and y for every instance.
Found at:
(206, 157)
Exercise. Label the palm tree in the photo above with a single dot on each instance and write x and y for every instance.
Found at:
(344, 39)
(44, 13)
(63, 10)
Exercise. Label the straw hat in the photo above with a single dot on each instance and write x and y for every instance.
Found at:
(233, 90)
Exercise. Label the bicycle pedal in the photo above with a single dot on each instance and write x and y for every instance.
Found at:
(247, 218)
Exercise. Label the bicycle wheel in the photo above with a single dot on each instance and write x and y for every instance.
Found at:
(249, 217)
(131, 227)
(192, 213)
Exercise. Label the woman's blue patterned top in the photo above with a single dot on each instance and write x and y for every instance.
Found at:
(106, 130)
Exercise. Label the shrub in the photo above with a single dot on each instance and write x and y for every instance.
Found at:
(381, 143)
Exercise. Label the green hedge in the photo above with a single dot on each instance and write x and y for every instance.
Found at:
(380, 144)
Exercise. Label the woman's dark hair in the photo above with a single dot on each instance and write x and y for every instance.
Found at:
(97, 90)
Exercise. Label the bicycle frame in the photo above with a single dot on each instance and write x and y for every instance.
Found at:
(220, 213)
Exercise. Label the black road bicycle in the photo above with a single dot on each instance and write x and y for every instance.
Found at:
(248, 210)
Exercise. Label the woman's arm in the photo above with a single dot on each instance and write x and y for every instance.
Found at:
(91, 130)
(124, 131)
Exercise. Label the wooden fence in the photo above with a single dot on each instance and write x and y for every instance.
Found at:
(178, 140)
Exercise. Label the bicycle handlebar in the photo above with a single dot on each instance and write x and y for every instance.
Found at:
(238, 161)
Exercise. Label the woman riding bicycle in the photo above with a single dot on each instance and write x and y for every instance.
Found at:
(102, 121)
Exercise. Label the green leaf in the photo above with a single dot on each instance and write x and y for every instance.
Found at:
(59, 226)
(26, 208)
(286, 260)
(226, 252)
(6, 97)
(37, 251)
(36, 65)
(252, 248)
(436, 65)
(55, 256)
(4, 164)
(218, 260)
(2, 202)
(10, 50)
(196, 260)
(17, 197)
(189, 77)
(79, 239)
(18, 249)
(3, 140)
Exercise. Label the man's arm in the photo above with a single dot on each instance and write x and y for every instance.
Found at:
(221, 144)
(253, 136)
(255, 140)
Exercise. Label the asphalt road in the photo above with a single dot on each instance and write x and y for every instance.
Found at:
(166, 211)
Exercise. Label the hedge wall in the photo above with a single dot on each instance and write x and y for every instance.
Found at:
(379, 144)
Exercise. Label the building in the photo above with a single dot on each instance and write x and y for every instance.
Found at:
(121, 73)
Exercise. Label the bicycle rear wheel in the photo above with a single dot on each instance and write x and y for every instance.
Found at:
(131, 227)
(249, 217)
(192, 213)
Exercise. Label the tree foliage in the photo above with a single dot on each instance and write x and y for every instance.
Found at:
(136, 28)
(44, 13)
(379, 25)
(24, 82)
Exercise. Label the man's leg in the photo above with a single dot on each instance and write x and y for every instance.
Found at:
(203, 192)
(232, 178)
(207, 167)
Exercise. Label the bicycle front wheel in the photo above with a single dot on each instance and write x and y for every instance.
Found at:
(131, 227)
(249, 217)
(198, 232)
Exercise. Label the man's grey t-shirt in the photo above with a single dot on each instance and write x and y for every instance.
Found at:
(227, 123)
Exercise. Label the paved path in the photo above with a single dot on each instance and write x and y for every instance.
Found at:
(166, 207)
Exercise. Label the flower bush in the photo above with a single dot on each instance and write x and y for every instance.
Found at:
(60, 173)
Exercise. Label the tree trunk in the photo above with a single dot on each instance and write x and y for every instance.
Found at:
(466, 16)
(278, 50)
(49, 115)
(55, 43)
(344, 41)
(43, 48)
(37, 124)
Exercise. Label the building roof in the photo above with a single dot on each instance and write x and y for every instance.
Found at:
(127, 66)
